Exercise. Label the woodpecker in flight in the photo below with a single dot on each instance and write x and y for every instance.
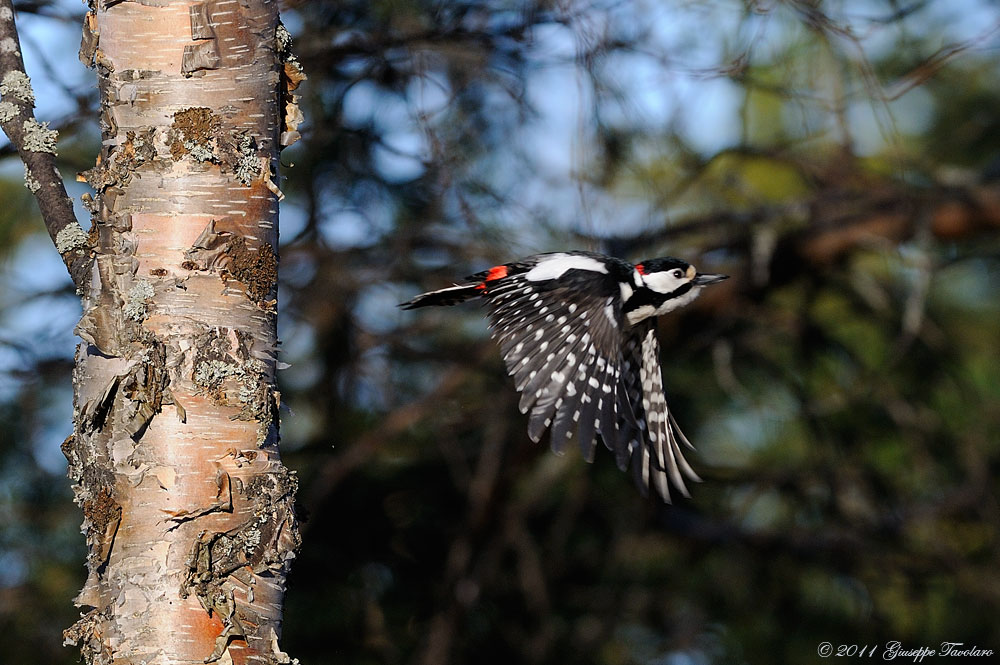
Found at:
(578, 335)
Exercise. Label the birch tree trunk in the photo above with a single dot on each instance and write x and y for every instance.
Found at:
(188, 511)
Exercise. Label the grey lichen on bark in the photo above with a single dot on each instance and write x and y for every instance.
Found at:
(38, 137)
(17, 84)
(71, 237)
(7, 111)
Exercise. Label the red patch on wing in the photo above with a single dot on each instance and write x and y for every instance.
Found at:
(640, 269)
(494, 273)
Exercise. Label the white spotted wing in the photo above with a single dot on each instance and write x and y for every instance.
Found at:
(582, 372)
(564, 356)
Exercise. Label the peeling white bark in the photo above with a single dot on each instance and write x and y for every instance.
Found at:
(188, 509)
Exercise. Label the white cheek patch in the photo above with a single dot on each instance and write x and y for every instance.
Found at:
(663, 282)
(556, 265)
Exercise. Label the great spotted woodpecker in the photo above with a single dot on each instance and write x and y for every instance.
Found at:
(578, 335)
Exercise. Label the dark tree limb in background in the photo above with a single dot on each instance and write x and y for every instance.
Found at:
(832, 226)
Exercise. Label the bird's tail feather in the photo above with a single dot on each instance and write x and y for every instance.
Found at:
(449, 296)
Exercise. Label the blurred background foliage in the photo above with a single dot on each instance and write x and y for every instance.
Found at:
(839, 158)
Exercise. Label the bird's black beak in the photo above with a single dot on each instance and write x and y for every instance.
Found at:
(702, 279)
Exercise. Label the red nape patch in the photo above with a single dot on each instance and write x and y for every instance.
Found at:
(640, 269)
(496, 272)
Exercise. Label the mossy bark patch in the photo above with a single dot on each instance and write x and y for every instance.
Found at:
(104, 515)
(194, 129)
(256, 269)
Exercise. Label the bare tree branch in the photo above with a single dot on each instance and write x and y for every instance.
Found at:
(36, 145)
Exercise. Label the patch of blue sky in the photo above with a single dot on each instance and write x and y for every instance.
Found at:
(293, 217)
(293, 21)
(959, 20)
(876, 125)
(691, 36)
(377, 307)
(36, 316)
(428, 94)
(711, 118)
(399, 157)
(359, 104)
(298, 343)
(57, 424)
(359, 223)
(553, 43)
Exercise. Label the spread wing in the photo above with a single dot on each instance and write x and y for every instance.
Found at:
(583, 373)
(653, 443)
(561, 341)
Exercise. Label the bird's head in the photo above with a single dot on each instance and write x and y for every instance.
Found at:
(667, 275)
(667, 283)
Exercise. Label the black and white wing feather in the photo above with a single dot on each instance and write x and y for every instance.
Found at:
(562, 346)
(654, 443)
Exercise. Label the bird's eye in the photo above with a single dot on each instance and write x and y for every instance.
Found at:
(678, 273)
